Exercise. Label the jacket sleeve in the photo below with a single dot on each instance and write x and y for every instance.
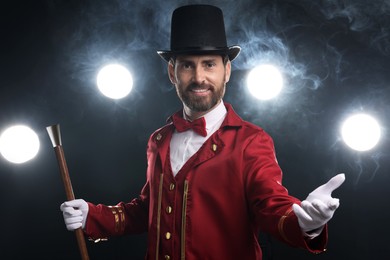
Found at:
(124, 218)
(269, 199)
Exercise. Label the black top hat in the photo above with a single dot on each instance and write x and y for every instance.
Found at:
(198, 29)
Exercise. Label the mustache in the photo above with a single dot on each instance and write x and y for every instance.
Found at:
(199, 86)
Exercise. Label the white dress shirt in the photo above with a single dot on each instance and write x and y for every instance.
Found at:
(185, 144)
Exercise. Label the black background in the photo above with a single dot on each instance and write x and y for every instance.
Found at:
(334, 56)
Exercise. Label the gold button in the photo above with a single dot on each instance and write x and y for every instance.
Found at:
(215, 147)
(171, 186)
(168, 235)
(167, 257)
(158, 137)
(169, 209)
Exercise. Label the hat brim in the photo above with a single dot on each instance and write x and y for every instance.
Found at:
(232, 52)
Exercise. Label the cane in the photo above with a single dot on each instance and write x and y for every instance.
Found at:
(55, 137)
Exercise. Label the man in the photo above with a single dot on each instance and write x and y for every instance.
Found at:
(209, 189)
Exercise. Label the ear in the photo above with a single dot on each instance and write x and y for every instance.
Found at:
(171, 72)
(228, 68)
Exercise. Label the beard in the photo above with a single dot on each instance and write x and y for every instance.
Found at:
(201, 103)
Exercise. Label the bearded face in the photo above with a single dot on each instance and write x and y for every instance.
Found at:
(200, 81)
(201, 98)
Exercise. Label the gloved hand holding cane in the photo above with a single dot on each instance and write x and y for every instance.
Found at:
(55, 137)
(75, 213)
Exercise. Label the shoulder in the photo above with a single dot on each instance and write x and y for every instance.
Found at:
(246, 127)
(244, 131)
(255, 132)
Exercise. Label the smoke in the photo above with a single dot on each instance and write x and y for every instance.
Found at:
(262, 36)
(331, 53)
(301, 36)
(267, 31)
(365, 168)
(360, 16)
(93, 33)
(362, 167)
(264, 48)
(317, 45)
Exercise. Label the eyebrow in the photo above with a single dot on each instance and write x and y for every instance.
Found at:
(203, 61)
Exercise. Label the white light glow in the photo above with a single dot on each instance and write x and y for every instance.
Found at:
(361, 132)
(114, 81)
(19, 144)
(265, 82)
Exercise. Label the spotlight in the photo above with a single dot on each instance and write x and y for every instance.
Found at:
(264, 82)
(114, 81)
(19, 144)
(361, 132)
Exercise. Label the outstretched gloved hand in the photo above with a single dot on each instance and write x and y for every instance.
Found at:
(75, 213)
(318, 208)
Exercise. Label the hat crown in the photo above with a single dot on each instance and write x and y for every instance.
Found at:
(198, 27)
(198, 30)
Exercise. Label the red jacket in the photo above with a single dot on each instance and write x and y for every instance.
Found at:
(217, 203)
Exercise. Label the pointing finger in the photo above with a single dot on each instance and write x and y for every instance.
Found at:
(332, 184)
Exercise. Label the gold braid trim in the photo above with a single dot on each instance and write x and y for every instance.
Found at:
(183, 222)
(281, 224)
(122, 219)
(119, 217)
(160, 189)
(116, 217)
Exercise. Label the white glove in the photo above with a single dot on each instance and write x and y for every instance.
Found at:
(75, 213)
(319, 206)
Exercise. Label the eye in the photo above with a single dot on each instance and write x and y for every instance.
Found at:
(186, 65)
(210, 64)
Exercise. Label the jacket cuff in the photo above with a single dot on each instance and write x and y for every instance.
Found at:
(291, 233)
(104, 221)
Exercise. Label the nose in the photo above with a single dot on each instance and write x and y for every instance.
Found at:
(199, 75)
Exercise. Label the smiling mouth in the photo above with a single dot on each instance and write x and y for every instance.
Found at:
(200, 90)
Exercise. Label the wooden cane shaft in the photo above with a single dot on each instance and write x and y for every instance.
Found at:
(81, 243)
(70, 196)
(64, 172)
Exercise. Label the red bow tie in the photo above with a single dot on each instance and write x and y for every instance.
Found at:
(198, 125)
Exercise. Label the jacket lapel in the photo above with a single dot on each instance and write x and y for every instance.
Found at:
(162, 139)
